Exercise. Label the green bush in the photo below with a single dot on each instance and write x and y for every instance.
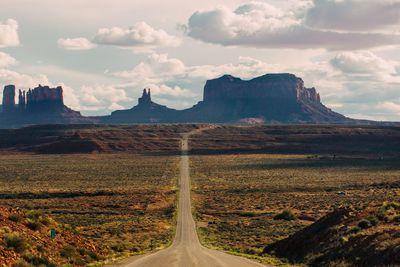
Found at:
(92, 255)
(393, 205)
(34, 214)
(373, 220)
(285, 215)
(364, 224)
(33, 225)
(15, 217)
(355, 230)
(15, 241)
(37, 260)
(68, 252)
(396, 218)
(21, 263)
(248, 214)
(45, 220)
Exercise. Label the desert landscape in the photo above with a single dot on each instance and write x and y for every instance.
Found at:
(249, 200)
(214, 133)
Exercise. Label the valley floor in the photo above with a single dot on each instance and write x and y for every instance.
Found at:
(251, 189)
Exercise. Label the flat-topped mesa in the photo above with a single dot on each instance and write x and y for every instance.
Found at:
(269, 86)
(271, 97)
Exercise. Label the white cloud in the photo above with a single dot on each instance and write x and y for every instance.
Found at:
(354, 15)
(156, 66)
(161, 68)
(70, 97)
(115, 106)
(140, 35)
(365, 66)
(6, 60)
(390, 106)
(167, 91)
(75, 44)
(258, 24)
(22, 81)
(101, 97)
(9, 33)
(363, 62)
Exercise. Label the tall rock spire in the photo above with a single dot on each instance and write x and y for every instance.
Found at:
(9, 99)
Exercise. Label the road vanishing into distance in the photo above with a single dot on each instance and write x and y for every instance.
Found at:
(186, 250)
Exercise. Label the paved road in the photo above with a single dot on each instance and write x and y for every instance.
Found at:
(186, 250)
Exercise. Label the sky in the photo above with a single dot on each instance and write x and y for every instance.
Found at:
(105, 52)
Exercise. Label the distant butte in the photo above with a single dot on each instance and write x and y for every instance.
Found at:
(271, 98)
(41, 105)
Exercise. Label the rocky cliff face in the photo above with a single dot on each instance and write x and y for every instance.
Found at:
(272, 97)
(37, 106)
(8, 99)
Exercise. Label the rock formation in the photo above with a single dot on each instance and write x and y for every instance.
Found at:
(145, 112)
(37, 106)
(272, 97)
(8, 99)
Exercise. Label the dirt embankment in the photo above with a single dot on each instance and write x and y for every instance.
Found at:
(26, 240)
(347, 237)
(64, 139)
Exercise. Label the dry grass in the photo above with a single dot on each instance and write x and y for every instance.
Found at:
(238, 196)
(124, 203)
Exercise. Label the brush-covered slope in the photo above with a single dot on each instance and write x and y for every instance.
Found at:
(347, 237)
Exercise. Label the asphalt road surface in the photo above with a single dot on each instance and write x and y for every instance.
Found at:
(186, 250)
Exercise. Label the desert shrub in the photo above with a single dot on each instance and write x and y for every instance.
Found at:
(15, 241)
(5, 230)
(37, 260)
(285, 215)
(45, 220)
(120, 247)
(396, 218)
(364, 224)
(248, 214)
(40, 248)
(92, 255)
(381, 214)
(67, 251)
(34, 214)
(33, 225)
(21, 263)
(15, 217)
(391, 205)
(355, 229)
(373, 220)
(305, 217)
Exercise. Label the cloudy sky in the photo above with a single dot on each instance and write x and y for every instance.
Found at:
(104, 52)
